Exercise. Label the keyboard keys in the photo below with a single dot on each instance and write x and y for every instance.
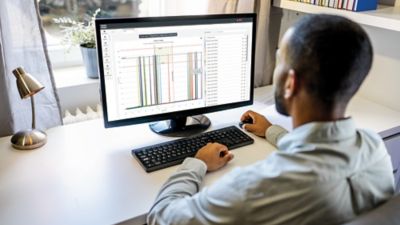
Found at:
(171, 153)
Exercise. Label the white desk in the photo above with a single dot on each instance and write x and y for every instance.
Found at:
(85, 174)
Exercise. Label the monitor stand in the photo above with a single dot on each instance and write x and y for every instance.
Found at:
(181, 126)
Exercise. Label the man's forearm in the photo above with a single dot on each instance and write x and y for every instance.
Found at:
(185, 182)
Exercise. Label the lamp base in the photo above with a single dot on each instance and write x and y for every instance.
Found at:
(28, 139)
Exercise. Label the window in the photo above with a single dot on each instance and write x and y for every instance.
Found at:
(82, 9)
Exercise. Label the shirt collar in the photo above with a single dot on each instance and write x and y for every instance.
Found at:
(317, 132)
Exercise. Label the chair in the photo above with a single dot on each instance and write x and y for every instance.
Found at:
(391, 138)
(386, 214)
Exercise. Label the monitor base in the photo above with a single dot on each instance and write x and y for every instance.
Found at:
(181, 126)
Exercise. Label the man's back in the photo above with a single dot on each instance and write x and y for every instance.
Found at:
(324, 173)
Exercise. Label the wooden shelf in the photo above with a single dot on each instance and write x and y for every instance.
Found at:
(386, 17)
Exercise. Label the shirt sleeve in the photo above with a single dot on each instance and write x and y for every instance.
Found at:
(274, 133)
(179, 203)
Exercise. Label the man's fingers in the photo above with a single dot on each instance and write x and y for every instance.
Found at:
(228, 157)
(249, 127)
(246, 115)
(214, 155)
(252, 116)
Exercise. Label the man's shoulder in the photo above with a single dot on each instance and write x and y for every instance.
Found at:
(370, 136)
(373, 148)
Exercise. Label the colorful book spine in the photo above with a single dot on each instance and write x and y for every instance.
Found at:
(352, 5)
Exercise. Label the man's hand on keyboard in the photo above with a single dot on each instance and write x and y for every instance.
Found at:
(214, 155)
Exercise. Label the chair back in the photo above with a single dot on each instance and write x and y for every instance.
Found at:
(386, 214)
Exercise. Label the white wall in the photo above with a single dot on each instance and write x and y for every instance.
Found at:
(383, 83)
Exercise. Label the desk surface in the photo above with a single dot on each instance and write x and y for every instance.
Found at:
(85, 174)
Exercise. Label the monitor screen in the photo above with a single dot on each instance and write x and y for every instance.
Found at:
(159, 68)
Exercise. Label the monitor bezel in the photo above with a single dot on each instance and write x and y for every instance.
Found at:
(177, 114)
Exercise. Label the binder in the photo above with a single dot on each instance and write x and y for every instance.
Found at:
(364, 5)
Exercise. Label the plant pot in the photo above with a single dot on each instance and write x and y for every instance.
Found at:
(89, 56)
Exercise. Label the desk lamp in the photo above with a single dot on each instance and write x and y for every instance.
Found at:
(27, 87)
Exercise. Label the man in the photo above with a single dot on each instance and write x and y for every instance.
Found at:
(325, 171)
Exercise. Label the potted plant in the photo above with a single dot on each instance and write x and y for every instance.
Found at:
(82, 34)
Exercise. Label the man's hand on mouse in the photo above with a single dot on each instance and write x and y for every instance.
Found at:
(214, 155)
(259, 123)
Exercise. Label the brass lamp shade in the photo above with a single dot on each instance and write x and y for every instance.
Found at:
(27, 87)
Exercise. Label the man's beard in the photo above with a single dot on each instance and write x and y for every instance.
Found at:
(279, 102)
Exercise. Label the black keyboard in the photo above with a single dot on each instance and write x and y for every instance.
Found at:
(171, 153)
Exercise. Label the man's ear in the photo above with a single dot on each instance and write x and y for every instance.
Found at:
(290, 84)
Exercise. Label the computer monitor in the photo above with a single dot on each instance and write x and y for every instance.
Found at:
(173, 69)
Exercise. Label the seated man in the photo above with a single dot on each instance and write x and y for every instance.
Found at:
(325, 171)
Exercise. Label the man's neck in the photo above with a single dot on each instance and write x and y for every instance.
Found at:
(308, 111)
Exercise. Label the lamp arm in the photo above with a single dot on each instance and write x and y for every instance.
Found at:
(33, 113)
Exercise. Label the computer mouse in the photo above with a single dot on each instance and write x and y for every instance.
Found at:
(248, 120)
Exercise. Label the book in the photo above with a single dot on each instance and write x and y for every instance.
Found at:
(350, 5)
(364, 5)
(344, 4)
(331, 3)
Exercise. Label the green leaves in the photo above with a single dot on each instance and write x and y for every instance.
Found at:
(77, 33)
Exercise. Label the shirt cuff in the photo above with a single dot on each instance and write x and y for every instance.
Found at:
(274, 133)
(195, 165)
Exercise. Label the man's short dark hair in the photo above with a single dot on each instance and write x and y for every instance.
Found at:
(331, 56)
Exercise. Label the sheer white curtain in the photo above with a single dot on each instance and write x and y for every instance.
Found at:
(266, 40)
(22, 43)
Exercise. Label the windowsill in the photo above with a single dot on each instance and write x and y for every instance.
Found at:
(72, 76)
(75, 89)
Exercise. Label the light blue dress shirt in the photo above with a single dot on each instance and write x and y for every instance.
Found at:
(323, 173)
